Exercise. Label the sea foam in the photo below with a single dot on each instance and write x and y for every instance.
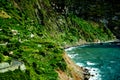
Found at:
(90, 63)
(69, 49)
(80, 64)
(72, 55)
(95, 73)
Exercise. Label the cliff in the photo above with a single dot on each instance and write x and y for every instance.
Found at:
(73, 72)
(36, 31)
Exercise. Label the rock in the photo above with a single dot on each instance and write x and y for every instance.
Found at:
(3, 70)
(11, 52)
(32, 35)
(15, 32)
(22, 67)
(0, 29)
(4, 65)
(3, 14)
(15, 62)
(12, 68)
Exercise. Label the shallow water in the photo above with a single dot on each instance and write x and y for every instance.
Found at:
(103, 60)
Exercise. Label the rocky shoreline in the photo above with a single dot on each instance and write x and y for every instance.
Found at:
(87, 43)
(85, 74)
(73, 72)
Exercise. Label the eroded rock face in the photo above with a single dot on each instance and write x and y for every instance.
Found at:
(73, 72)
(103, 11)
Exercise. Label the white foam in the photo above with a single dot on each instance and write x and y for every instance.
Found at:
(90, 63)
(69, 49)
(80, 64)
(72, 55)
(95, 72)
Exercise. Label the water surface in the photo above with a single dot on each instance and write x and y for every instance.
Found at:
(103, 60)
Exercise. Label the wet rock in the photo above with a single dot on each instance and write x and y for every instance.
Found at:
(86, 74)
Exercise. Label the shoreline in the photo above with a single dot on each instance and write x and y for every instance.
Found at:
(88, 43)
(86, 72)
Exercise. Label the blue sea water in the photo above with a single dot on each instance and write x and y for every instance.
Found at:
(102, 60)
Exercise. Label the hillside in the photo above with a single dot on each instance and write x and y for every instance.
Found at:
(36, 32)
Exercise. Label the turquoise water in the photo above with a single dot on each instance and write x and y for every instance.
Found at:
(102, 60)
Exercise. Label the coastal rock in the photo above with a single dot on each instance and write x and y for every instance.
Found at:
(73, 72)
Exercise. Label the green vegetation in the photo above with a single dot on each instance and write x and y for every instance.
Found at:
(91, 31)
(14, 75)
(38, 41)
(41, 56)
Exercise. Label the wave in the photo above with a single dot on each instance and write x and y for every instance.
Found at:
(80, 64)
(95, 73)
(72, 55)
(69, 49)
(90, 63)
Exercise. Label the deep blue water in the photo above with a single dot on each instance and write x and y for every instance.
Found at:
(103, 60)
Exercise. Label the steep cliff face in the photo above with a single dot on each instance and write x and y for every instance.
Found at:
(36, 31)
(102, 11)
(56, 17)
